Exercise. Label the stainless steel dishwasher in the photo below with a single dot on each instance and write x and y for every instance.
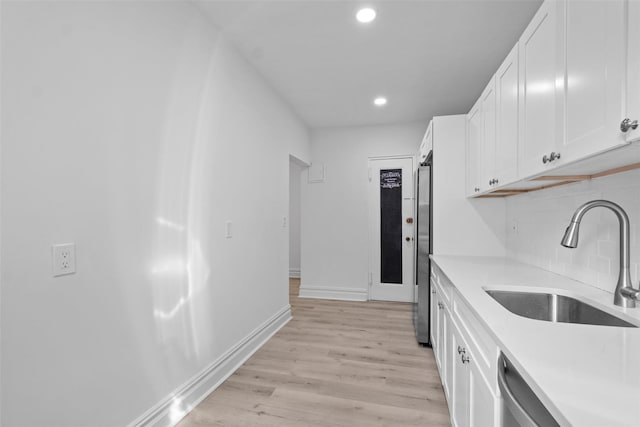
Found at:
(521, 406)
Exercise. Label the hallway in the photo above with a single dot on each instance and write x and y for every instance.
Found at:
(336, 363)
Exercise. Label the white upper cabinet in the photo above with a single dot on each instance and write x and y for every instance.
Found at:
(506, 142)
(568, 91)
(541, 50)
(488, 111)
(633, 70)
(594, 77)
(492, 126)
(573, 82)
(426, 145)
(474, 149)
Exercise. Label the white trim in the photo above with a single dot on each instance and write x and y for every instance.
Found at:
(170, 410)
(326, 292)
(294, 273)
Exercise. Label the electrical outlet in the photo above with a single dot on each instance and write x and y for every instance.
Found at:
(63, 259)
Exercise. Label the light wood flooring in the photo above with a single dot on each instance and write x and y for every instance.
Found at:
(336, 363)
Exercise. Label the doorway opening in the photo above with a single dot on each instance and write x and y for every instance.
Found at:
(296, 167)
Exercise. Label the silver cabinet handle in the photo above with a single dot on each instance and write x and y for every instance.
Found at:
(465, 358)
(552, 156)
(433, 291)
(461, 350)
(628, 124)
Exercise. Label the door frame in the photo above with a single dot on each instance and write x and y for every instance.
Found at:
(411, 157)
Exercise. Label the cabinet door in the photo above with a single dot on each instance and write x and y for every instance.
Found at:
(433, 320)
(447, 346)
(460, 384)
(633, 69)
(427, 144)
(482, 403)
(440, 336)
(474, 149)
(595, 71)
(541, 50)
(488, 149)
(506, 151)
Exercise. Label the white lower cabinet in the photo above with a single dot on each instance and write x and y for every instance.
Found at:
(466, 358)
(459, 401)
(441, 338)
(474, 403)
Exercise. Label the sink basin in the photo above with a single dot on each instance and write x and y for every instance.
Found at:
(555, 308)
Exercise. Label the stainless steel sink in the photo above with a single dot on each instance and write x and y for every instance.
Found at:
(555, 308)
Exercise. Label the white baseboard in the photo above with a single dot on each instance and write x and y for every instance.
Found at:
(325, 292)
(169, 411)
(294, 273)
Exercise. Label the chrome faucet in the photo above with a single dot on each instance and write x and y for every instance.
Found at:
(625, 294)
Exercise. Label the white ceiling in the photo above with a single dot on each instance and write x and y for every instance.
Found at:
(427, 57)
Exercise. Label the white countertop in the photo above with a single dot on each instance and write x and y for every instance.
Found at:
(586, 375)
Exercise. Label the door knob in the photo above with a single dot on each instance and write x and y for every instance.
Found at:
(628, 124)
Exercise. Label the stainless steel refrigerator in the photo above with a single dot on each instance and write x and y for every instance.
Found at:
(424, 247)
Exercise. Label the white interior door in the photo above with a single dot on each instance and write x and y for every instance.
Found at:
(391, 206)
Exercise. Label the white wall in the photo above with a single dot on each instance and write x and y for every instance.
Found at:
(134, 130)
(537, 221)
(335, 227)
(461, 226)
(295, 176)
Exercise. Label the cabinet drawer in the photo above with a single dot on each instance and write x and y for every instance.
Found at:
(443, 285)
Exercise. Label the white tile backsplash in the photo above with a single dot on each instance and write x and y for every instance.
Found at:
(536, 222)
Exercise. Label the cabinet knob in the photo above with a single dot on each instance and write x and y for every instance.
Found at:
(433, 291)
(545, 159)
(628, 124)
(476, 189)
(461, 350)
(465, 358)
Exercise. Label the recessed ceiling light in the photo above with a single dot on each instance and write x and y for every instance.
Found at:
(380, 101)
(366, 15)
